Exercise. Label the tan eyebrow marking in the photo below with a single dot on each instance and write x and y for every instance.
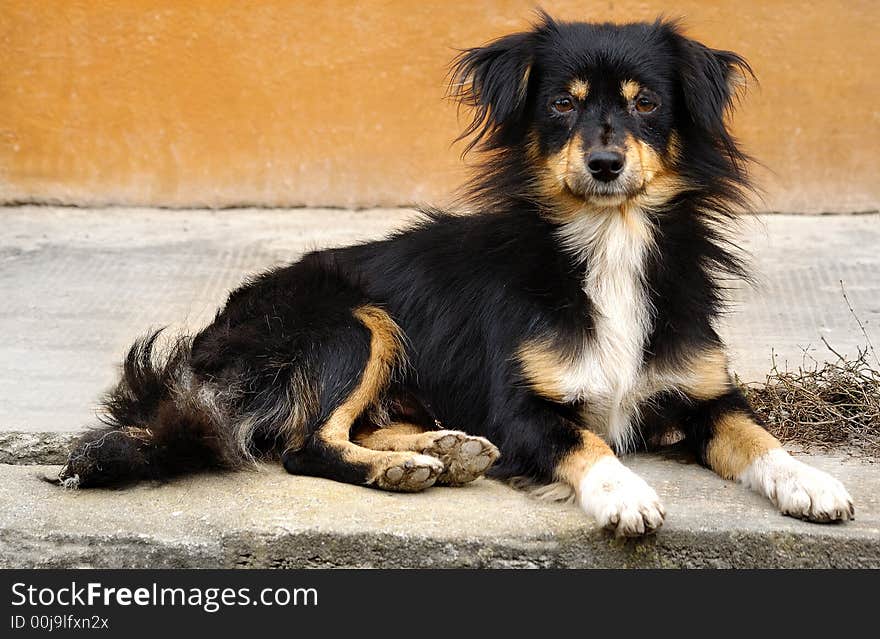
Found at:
(579, 89)
(630, 89)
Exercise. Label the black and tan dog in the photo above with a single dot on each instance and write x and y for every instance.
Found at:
(567, 317)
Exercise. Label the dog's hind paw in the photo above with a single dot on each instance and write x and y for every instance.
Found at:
(465, 457)
(413, 474)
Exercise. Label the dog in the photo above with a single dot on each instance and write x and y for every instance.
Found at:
(564, 315)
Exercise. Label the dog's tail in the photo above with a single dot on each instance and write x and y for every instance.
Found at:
(154, 424)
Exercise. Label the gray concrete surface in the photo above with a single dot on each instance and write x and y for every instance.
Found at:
(78, 285)
(271, 519)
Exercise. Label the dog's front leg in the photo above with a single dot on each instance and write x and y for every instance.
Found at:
(612, 494)
(731, 442)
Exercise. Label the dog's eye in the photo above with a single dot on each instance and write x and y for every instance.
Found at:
(645, 104)
(563, 105)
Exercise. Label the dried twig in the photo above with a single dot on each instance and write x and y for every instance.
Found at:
(824, 405)
(859, 322)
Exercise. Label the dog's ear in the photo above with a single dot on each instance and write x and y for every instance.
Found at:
(493, 81)
(710, 80)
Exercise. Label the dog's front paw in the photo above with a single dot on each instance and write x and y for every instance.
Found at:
(799, 490)
(619, 500)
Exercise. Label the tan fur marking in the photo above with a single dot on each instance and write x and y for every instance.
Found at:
(385, 352)
(541, 365)
(574, 465)
(659, 183)
(673, 147)
(649, 160)
(738, 442)
(707, 374)
(629, 89)
(579, 89)
(574, 151)
(552, 180)
(702, 376)
(397, 436)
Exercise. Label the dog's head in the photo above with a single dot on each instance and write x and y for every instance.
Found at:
(603, 115)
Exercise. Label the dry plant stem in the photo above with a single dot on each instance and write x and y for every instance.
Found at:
(859, 322)
(834, 404)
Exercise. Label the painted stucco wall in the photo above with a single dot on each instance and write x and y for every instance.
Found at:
(341, 103)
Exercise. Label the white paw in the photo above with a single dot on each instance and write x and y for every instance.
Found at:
(797, 489)
(619, 500)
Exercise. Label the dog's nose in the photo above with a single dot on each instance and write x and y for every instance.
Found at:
(605, 165)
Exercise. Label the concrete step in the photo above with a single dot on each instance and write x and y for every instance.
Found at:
(267, 518)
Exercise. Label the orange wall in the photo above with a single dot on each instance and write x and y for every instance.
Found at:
(340, 103)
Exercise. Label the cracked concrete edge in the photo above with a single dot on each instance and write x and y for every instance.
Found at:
(49, 448)
(680, 549)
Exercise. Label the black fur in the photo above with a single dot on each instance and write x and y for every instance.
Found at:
(150, 429)
(467, 291)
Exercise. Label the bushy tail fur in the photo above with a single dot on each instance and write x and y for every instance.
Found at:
(153, 424)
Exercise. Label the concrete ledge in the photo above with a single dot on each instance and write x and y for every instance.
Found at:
(23, 447)
(271, 519)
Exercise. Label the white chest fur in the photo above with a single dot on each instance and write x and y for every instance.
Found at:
(607, 373)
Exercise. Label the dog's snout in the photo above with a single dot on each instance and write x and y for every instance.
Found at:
(605, 165)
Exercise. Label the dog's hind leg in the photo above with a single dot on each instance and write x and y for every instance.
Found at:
(328, 451)
(466, 457)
